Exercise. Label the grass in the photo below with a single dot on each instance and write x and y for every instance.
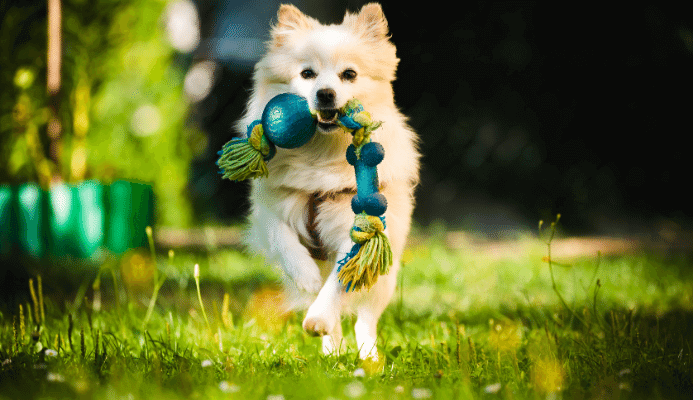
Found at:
(462, 325)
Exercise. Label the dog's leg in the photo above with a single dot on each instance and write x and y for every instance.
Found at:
(271, 236)
(373, 304)
(323, 317)
(370, 309)
(333, 342)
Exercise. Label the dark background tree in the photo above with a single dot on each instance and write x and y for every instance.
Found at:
(524, 111)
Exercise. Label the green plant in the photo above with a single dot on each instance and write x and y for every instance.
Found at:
(121, 110)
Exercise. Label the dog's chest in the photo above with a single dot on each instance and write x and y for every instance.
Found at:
(325, 213)
(312, 175)
(312, 241)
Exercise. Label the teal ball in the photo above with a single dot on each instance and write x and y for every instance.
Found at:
(350, 155)
(372, 154)
(375, 204)
(287, 121)
(356, 204)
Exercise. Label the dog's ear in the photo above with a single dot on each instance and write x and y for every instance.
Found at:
(289, 19)
(370, 21)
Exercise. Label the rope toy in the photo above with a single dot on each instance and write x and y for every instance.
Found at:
(288, 122)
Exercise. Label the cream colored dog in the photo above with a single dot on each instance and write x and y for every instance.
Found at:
(302, 210)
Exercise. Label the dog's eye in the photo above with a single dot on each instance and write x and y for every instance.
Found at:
(348, 75)
(308, 74)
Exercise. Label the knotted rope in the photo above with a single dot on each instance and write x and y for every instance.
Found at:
(246, 158)
(369, 257)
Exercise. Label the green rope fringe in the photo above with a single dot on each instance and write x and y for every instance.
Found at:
(371, 256)
(242, 159)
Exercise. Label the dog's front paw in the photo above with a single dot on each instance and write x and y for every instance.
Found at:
(323, 318)
(316, 325)
(319, 325)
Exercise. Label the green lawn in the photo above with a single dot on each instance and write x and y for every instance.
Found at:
(463, 324)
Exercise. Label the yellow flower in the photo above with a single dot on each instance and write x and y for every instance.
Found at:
(266, 306)
(373, 366)
(547, 375)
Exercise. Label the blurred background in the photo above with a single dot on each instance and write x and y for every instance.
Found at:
(524, 111)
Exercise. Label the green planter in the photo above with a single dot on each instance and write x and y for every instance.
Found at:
(74, 220)
(5, 220)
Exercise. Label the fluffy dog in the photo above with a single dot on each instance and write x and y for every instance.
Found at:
(301, 212)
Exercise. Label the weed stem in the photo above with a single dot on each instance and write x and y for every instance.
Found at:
(199, 294)
(551, 272)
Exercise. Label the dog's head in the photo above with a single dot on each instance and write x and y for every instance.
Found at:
(330, 64)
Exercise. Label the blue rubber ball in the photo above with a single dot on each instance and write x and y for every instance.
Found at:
(287, 121)
(350, 155)
(356, 204)
(375, 204)
(372, 154)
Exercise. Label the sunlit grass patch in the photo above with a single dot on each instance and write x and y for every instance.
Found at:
(465, 280)
(463, 324)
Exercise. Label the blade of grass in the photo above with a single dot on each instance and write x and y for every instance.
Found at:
(551, 271)
(157, 283)
(199, 295)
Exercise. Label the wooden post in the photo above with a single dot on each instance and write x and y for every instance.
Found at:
(53, 81)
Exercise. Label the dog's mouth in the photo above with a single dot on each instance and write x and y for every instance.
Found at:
(327, 119)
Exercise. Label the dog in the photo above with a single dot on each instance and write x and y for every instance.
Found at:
(300, 214)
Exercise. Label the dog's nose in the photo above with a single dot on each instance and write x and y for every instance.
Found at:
(326, 98)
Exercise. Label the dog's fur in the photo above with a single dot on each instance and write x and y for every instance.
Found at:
(280, 211)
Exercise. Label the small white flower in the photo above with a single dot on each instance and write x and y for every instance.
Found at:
(625, 372)
(399, 389)
(421, 393)
(6, 362)
(493, 388)
(275, 397)
(196, 271)
(51, 353)
(207, 363)
(355, 389)
(359, 373)
(52, 377)
(227, 387)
